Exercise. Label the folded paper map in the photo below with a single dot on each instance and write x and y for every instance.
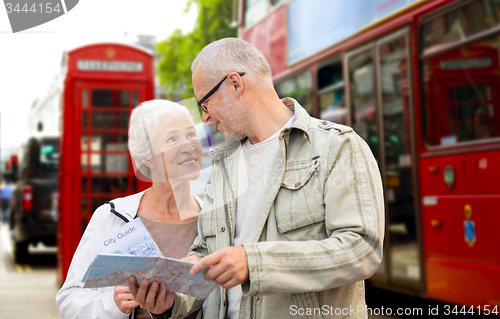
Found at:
(114, 270)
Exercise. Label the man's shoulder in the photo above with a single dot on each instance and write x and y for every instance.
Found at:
(326, 126)
(324, 133)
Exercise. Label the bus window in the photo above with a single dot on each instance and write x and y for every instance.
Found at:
(397, 174)
(459, 24)
(395, 99)
(363, 98)
(255, 10)
(462, 101)
(331, 94)
(276, 2)
(298, 87)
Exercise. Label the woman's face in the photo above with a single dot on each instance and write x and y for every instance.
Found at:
(176, 149)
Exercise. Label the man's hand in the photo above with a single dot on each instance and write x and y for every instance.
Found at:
(228, 267)
(192, 259)
(149, 297)
(124, 299)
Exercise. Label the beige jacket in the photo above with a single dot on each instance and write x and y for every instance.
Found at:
(320, 230)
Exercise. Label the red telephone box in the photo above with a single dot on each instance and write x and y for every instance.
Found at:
(103, 83)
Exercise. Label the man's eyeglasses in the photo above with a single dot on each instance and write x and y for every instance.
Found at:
(212, 91)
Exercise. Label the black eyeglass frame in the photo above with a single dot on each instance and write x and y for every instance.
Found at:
(212, 91)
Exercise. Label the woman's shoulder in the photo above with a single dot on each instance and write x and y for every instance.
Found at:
(126, 206)
(130, 199)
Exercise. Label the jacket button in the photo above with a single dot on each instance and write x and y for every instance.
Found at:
(325, 122)
(217, 162)
(225, 303)
(297, 184)
(222, 229)
(257, 298)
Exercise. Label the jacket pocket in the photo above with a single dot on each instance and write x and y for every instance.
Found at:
(309, 305)
(300, 200)
(209, 229)
(209, 223)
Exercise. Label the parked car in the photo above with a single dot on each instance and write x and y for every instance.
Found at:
(33, 203)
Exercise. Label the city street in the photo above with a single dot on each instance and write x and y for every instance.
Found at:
(27, 290)
(387, 161)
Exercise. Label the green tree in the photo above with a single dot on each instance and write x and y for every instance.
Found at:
(178, 51)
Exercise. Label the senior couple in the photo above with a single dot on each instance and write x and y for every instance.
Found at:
(294, 238)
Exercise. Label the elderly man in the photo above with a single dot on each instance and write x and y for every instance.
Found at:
(293, 217)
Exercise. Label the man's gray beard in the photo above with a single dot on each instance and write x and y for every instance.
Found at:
(235, 117)
(231, 135)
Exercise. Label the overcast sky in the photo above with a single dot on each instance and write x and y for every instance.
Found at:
(30, 59)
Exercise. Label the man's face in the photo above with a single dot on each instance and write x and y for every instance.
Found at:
(224, 111)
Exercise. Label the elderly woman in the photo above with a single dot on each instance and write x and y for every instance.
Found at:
(164, 146)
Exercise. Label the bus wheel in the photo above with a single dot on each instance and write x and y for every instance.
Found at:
(21, 252)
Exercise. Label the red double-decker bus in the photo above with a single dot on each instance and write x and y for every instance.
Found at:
(102, 83)
(419, 82)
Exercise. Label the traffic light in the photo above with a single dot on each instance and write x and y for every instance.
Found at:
(14, 167)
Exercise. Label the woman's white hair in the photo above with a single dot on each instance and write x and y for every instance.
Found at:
(227, 55)
(144, 122)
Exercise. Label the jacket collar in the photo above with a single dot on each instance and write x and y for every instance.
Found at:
(302, 118)
(231, 143)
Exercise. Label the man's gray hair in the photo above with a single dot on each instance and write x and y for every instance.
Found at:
(227, 55)
(144, 123)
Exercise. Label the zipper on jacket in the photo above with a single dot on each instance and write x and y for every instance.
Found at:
(225, 182)
(254, 309)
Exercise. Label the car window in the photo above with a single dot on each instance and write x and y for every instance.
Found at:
(49, 156)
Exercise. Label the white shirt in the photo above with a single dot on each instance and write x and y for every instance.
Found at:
(257, 165)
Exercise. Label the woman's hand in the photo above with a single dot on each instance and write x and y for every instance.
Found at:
(149, 297)
(124, 299)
